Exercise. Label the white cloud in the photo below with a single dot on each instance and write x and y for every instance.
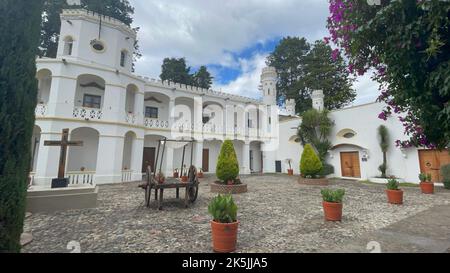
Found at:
(247, 84)
(207, 32)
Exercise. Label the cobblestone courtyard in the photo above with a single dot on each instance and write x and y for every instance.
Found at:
(276, 215)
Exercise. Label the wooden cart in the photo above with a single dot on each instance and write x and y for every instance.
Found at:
(153, 184)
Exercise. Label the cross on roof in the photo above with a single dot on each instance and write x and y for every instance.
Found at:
(64, 143)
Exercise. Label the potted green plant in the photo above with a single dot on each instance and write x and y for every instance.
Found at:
(224, 226)
(332, 204)
(290, 170)
(394, 194)
(311, 167)
(445, 173)
(426, 184)
(176, 174)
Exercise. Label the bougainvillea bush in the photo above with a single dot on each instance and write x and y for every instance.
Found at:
(406, 43)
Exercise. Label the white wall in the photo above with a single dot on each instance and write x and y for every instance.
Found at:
(214, 151)
(86, 155)
(288, 148)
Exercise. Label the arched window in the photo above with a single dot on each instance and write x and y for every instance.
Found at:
(68, 46)
(123, 58)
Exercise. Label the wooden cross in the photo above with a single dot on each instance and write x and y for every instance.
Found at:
(64, 143)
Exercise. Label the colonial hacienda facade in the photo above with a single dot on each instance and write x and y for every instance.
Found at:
(120, 117)
(89, 88)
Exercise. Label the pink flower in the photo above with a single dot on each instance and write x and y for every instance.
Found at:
(335, 54)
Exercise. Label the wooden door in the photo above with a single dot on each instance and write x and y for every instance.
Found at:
(350, 164)
(149, 159)
(205, 164)
(431, 162)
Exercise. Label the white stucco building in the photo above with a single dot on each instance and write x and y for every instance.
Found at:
(89, 88)
(356, 153)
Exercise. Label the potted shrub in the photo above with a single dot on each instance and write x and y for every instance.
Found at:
(290, 170)
(445, 172)
(200, 173)
(332, 204)
(227, 169)
(160, 178)
(394, 194)
(176, 174)
(224, 226)
(426, 185)
(311, 167)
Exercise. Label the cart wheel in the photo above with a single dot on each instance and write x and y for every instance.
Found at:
(148, 193)
(193, 192)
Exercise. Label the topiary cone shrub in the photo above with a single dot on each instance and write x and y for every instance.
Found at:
(227, 165)
(310, 164)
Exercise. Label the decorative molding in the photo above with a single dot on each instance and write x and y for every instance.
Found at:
(94, 85)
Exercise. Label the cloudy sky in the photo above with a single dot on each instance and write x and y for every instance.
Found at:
(232, 38)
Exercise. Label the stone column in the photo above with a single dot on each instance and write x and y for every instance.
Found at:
(114, 103)
(246, 161)
(61, 101)
(109, 159)
(48, 160)
(172, 114)
(168, 157)
(136, 158)
(198, 117)
(139, 108)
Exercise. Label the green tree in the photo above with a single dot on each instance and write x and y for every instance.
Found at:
(303, 68)
(202, 78)
(383, 133)
(51, 21)
(407, 43)
(315, 129)
(289, 59)
(18, 94)
(330, 75)
(310, 164)
(176, 70)
(227, 165)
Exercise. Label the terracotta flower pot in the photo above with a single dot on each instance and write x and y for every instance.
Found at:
(230, 183)
(427, 187)
(395, 197)
(290, 172)
(224, 236)
(184, 179)
(332, 211)
(200, 175)
(175, 175)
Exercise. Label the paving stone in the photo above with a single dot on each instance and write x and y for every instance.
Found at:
(276, 215)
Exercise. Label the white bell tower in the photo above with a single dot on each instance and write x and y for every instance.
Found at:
(269, 78)
(318, 100)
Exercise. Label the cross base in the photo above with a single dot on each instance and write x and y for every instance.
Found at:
(60, 183)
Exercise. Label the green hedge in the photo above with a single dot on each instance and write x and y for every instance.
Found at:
(310, 164)
(445, 172)
(227, 165)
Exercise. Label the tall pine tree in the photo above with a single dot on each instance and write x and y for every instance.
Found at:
(18, 94)
(176, 70)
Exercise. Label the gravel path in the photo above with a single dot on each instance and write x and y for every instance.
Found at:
(276, 215)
